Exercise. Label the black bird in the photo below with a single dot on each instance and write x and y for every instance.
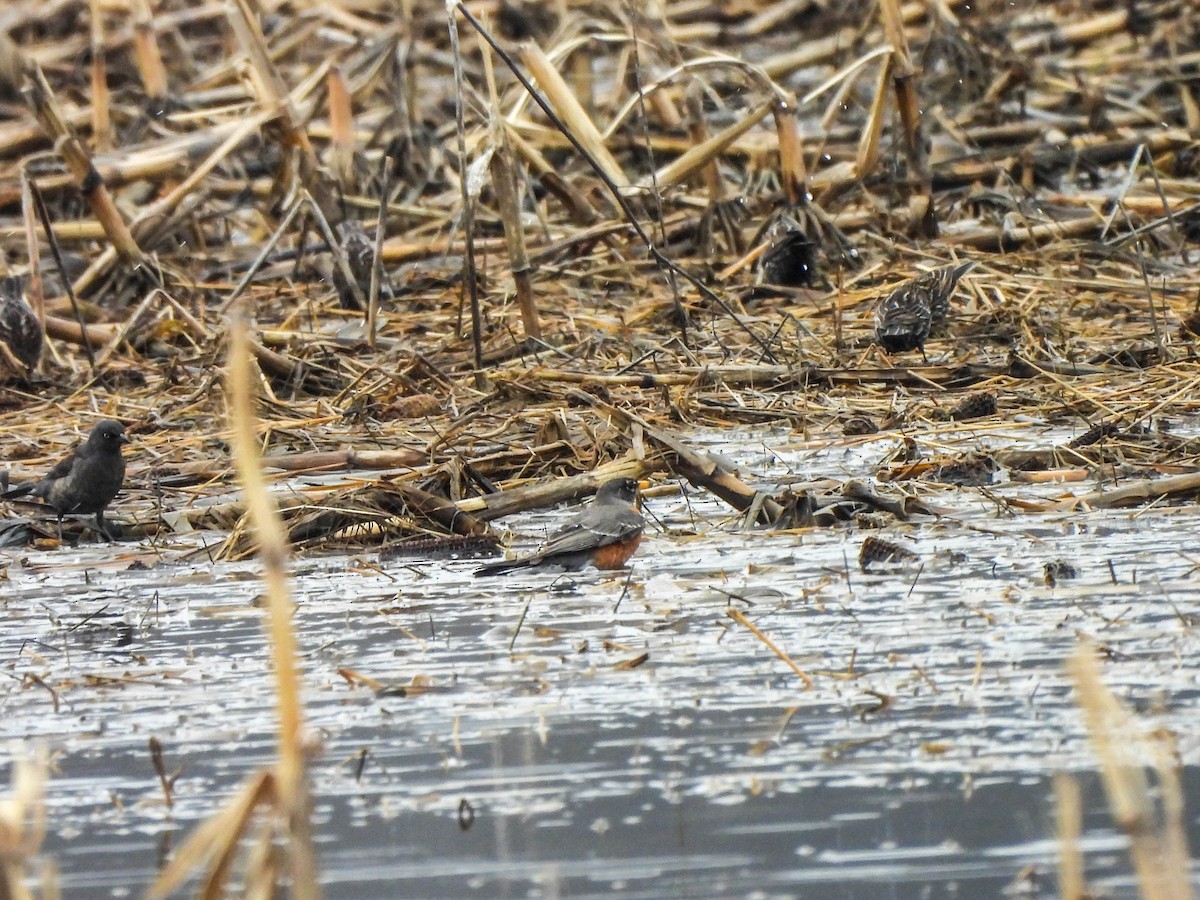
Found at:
(605, 534)
(20, 330)
(906, 316)
(791, 260)
(87, 479)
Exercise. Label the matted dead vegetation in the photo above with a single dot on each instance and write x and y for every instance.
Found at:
(457, 285)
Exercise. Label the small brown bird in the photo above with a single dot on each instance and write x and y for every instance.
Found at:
(20, 330)
(906, 316)
(360, 255)
(605, 534)
(87, 479)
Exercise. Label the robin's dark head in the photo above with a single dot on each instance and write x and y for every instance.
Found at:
(108, 436)
(624, 490)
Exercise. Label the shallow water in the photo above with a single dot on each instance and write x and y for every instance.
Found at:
(708, 770)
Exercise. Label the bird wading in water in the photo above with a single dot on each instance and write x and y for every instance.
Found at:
(85, 481)
(605, 534)
(906, 316)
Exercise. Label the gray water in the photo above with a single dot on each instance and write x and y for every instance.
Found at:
(706, 771)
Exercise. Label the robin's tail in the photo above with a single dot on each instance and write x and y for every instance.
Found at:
(502, 567)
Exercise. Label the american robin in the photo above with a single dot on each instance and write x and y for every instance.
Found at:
(906, 316)
(605, 534)
(86, 480)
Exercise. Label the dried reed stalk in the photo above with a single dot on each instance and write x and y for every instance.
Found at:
(791, 153)
(574, 201)
(341, 128)
(700, 157)
(101, 121)
(700, 469)
(868, 144)
(560, 490)
(738, 616)
(145, 50)
(274, 553)
(156, 217)
(1158, 846)
(285, 787)
(215, 841)
(29, 219)
(1069, 813)
(568, 108)
(23, 828)
(698, 132)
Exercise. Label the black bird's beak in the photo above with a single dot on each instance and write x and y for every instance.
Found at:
(123, 439)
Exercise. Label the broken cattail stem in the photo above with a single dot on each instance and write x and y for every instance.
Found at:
(273, 363)
(580, 209)
(160, 769)
(904, 82)
(868, 143)
(341, 128)
(145, 51)
(29, 219)
(1174, 837)
(217, 838)
(504, 183)
(1190, 105)
(470, 281)
(73, 333)
(101, 123)
(791, 154)
(664, 108)
(376, 286)
(152, 217)
(697, 126)
(582, 79)
(568, 108)
(503, 169)
(23, 827)
(698, 157)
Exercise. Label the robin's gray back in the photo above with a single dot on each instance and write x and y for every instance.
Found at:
(599, 525)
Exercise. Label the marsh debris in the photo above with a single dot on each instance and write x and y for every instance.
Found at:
(876, 552)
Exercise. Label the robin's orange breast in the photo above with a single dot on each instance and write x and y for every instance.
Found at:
(614, 556)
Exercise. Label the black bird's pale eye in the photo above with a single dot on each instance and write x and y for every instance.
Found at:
(112, 435)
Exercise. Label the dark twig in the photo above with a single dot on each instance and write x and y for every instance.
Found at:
(44, 215)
